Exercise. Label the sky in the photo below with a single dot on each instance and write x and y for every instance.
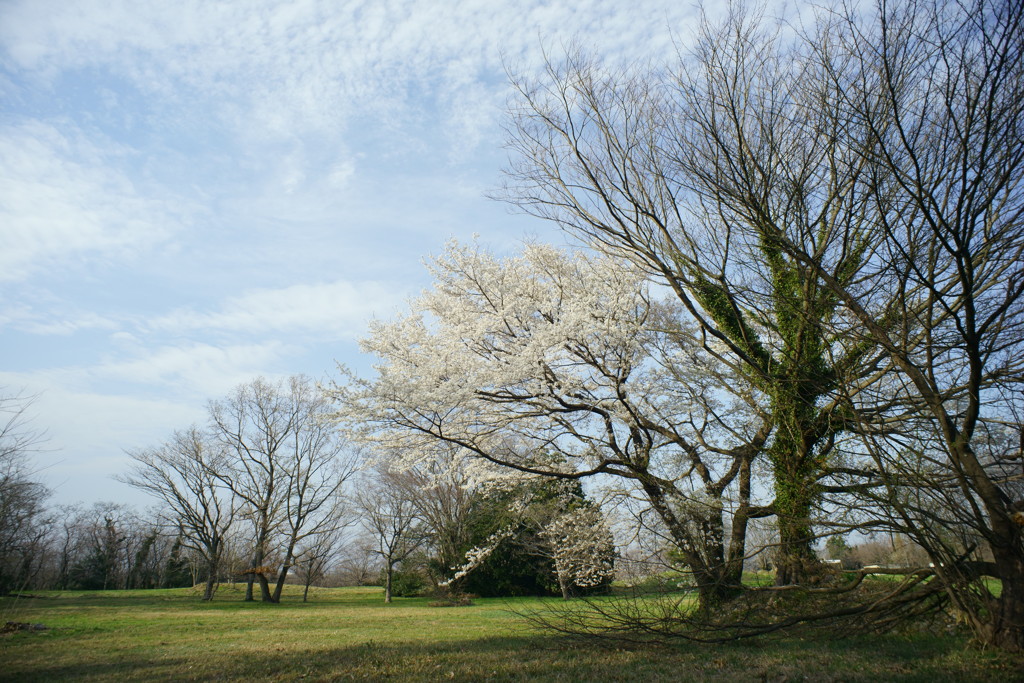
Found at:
(197, 193)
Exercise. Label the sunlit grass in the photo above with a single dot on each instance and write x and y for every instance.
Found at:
(350, 634)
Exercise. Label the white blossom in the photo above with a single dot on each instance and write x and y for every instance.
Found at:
(560, 364)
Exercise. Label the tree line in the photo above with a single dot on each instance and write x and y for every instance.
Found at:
(269, 491)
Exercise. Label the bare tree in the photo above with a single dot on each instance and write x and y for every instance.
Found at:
(287, 470)
(104, 542)
(23, 519)
(391, 518)
(940, 88)
(442, 491)
(180, 473)
(839, 210)
(318, 465)
(319, 552)
(687, 175)
(254, 425)
(64, 542)
(357, 563)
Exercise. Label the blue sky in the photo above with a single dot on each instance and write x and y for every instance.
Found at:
(195, 193)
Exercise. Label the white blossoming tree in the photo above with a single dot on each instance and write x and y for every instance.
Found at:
(581, 547)
(563, 365)
(554, 522)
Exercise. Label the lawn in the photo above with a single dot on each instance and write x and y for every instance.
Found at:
(350, 634)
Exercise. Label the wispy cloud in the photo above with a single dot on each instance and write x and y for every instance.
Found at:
(60, 200)
(193, 193)
(26, 319)
(187, 371)
(192, 369)
(332, 310)
(314, 65)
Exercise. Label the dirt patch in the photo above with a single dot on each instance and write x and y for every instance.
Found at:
(15, 626)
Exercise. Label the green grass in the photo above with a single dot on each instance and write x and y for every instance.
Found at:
(349, 634)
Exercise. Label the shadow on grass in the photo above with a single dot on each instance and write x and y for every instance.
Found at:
(540, 658)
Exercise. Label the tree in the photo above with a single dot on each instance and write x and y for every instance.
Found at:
(572, 533)
(318, 552)
(23, 519)
(582, 549)
(318, 467)
(182, 475)
(563, 366)
(690, 174)
(391, 519)
(536, 536)
(253, 424)
(286, 469)
(940, 87)
(839, 210)
(67, 542)
(178, 570)
(357, 563)
(837, 549)
(501, 558)
(109, 538)
(443, 492)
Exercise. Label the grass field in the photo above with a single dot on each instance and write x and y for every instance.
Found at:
(349, 634)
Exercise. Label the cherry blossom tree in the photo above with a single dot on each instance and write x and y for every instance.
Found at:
(562, 365)
(581, 546)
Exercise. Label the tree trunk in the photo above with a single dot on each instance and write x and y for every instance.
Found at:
(738, 533)
(283, 574)
(1007, 630)
(794, 481)
(387, 581)
(211, 577)
(564, 584)
(208, 590)
(1006, 627)
(796, 561)
(714, 589)
(257, 560)
(265, 593)
(717, 582)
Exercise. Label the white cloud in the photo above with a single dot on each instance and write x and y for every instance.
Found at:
(340, 174)
(191, 372)
(301, 66)
(60, 200)
(334, 310)
(87, 432)
(25, 319)
(196, 370)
